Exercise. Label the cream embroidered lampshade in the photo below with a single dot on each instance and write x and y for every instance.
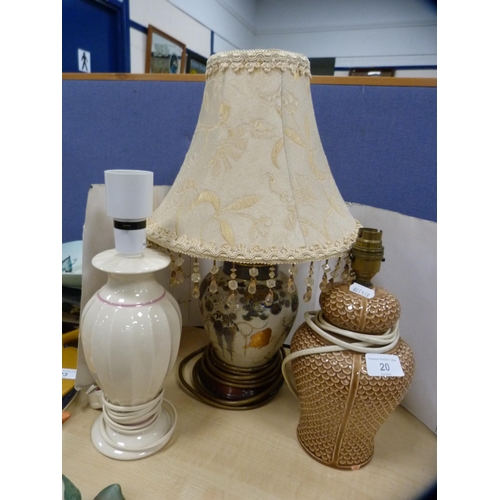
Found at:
(255, 190)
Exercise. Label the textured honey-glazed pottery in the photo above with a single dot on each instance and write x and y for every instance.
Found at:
(342, 407)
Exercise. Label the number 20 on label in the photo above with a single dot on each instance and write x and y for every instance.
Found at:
(383, 365)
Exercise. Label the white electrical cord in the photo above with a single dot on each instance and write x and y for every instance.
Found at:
(365, 342)
(129, 420)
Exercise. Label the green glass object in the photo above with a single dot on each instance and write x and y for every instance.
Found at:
(70, 491)
(111, 492)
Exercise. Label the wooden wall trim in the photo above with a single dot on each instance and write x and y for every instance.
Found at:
(315, 80)
(134, 77)
(379, 81)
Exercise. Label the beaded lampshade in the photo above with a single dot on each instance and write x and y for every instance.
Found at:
(255, 188)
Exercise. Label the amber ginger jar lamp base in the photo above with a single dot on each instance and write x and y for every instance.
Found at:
(337, 356)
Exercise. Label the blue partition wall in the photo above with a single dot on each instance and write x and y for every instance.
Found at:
(380, 141)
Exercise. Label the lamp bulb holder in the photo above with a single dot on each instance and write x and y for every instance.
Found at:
(130, 237)
(366, 255)
(129, 201)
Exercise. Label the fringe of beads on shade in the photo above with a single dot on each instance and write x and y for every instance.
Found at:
(330, 274)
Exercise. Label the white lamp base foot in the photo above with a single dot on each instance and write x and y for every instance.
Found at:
(137, 444)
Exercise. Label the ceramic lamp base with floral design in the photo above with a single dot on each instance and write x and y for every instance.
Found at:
(247, 323)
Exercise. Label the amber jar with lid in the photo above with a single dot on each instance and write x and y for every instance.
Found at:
(341, 406)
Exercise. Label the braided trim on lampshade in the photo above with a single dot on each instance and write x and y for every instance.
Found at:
(256, 255)
(251, 60)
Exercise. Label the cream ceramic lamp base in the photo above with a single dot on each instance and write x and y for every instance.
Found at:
(130, 333)
(135, 445)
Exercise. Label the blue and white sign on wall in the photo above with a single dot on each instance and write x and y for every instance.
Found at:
(83, 61)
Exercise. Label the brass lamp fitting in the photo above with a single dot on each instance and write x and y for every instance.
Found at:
(367, 254)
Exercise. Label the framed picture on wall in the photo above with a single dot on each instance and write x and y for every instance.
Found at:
(195, 64)
(164, 54)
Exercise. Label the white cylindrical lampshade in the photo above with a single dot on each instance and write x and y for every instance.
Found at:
(129, 201)
(129, 194)
(255, 186)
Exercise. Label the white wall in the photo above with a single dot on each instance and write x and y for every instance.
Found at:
(356, 32)
(233, 21)
(137, 51)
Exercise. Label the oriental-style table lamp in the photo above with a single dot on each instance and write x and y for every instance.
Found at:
(255, 192)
